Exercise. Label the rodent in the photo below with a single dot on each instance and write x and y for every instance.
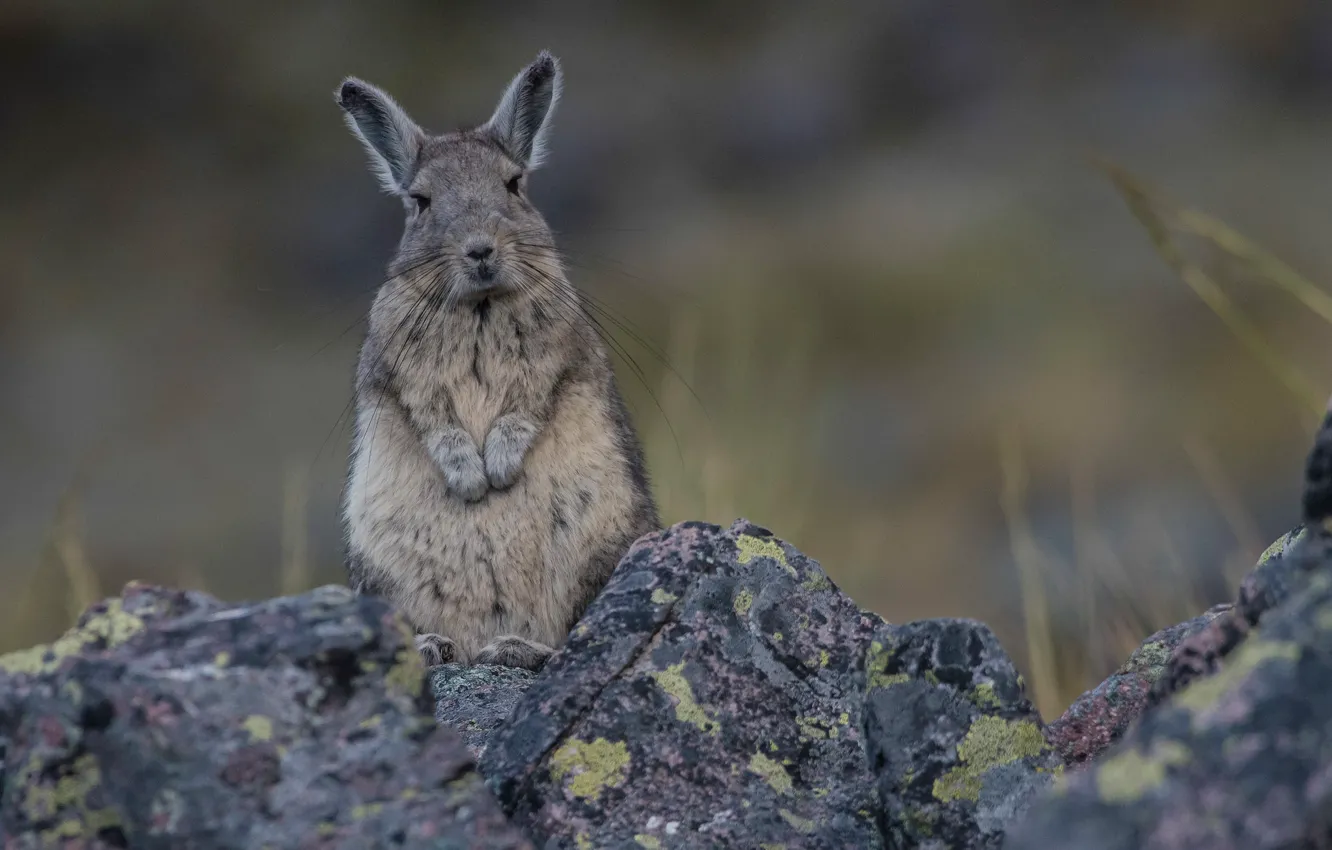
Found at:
(495, 477)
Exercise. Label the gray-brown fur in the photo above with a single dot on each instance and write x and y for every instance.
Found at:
(496, 478)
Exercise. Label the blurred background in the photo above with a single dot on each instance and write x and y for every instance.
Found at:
(868, 287)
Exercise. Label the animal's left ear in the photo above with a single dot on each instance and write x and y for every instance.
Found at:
(521, 123)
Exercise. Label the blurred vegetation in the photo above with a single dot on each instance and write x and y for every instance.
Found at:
(908, 327)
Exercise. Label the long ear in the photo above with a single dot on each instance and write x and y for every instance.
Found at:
(521, 122)
(391, 137)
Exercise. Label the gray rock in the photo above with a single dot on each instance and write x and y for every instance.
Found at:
(475, 701)
(722, 692)
(169, 720)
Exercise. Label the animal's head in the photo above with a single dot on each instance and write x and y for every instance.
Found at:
(470, 225)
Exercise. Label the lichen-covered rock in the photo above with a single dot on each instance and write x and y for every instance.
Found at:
(475, 701)
(957, 746)
(1240, 759)
(169, 720)
(1100, 716)
(1280, 570)
(718, 694)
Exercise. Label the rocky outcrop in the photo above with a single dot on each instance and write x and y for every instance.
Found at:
(475, 701)
(721, 691)
(1099, 717)
(1235, 753)
(169, 720)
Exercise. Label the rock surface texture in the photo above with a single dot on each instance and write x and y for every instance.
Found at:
(719, 692)
(475, 701)
(722, 692)
(169, 720)
(1236, 755)
(1099, 717)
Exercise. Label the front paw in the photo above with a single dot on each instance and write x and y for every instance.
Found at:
(506, 448)
(436, 649)
(466, 475)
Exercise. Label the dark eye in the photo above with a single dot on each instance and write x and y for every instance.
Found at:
(512, 184)
(422, 203)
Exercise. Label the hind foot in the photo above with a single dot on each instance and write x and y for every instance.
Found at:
(514, 651)
(436, 649)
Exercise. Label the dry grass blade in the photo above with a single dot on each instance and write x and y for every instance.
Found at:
(1156, 216)
(1027, 555)
(1266, 266)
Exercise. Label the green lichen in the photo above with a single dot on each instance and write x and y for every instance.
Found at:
(326, 829)
(743, 600)
(67, 798)
(366, 810)
(772, 772)
(663, 597)
(1127, 776)
(1149, 660)
(990, 742)
(583, 842)
(751, 547)
(407, 675)
(817, 581)
(800, 824)
(672, 681)
(817, 728)
(111, 628)
(876, 666)
(1323, 619)
(1279, 546)
(1252, 654)
(984, 696)
(259, 727)
(593, 765)
(772, 847)
(651, 842)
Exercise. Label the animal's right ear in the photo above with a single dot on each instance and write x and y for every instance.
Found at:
(391, 137)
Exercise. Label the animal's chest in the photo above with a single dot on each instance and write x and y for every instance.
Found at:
(467, 373)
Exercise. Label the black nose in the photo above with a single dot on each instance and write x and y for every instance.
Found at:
(480, 252)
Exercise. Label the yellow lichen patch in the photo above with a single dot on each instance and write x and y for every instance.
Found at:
(259, 727)
(651, 842)
(366, 810)
(222, 659)
(112, 627)
(772, 847)
(990, 742)
(326, 829)
(772, 772)
(1203, 694)
(407, 675)
(876, 666)
(593, 766)
(1125, 777)
(743, 601)
(816, 728)
(800, 824)
(984, 696)
(662, 597)
(582, 841)
(751, 547)
(817, 581)
(1279, 546)
(43, 802)
(673, 682)
(1323, 619)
